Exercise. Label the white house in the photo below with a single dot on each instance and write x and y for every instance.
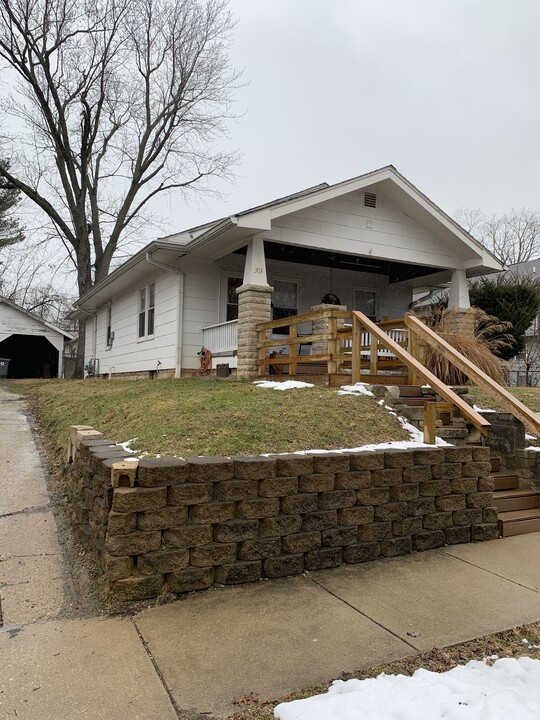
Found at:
(372, 241)
(33, 347)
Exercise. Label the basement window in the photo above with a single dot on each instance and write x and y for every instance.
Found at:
(370, 200)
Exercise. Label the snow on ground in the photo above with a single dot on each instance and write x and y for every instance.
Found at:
(285, 385)
(125, 445)
(530, 437)
(479, 409)
(353, 389)
(533, 447)
(509, 688)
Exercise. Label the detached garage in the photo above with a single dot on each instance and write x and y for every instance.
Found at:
(34, 348)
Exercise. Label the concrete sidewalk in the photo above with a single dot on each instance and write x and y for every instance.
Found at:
(193, 657)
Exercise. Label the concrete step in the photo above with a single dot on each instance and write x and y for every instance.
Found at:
(510, 500)
(505, 481)
(519, 522)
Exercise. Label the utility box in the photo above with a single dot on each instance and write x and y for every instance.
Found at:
(223, 370)
(4, 366)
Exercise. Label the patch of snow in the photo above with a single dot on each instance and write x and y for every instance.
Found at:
(285, 385)
(125, 445)
(533, 447)
(356, 388)
(530, 437)
(506, 688)
(481, 410)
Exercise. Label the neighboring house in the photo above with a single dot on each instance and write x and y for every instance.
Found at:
(525, 367)
(33, 347)
(372, 241)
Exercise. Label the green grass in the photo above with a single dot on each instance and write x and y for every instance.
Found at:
(208, 417)
(529, 396)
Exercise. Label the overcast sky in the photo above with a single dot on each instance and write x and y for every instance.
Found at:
(448, 91)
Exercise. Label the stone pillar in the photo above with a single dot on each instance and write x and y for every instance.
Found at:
(459, 321)
(322, 325)
(254, 306)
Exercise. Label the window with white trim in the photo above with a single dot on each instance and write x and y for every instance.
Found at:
(147, 304)
(110, 334)
(233, 283)
(284, 302)
(366, 302)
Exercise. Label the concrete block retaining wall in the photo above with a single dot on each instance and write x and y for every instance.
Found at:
(189, 524)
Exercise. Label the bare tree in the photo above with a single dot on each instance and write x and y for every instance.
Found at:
(28, 277)
(513, 237)
(120, 101)
(10, 229)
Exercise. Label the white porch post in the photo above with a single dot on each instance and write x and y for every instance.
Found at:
(460, 316)
(254, 306)
(458, 296)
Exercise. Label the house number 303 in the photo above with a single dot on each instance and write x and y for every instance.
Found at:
(259, 270)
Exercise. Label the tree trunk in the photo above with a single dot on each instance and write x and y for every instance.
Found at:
(84, 279)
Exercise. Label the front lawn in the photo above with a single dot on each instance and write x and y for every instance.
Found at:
(208, 417)
(529, 396)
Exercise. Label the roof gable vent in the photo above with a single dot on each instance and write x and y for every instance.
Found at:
(370, 200)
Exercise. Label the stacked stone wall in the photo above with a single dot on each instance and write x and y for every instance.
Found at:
(185, 525)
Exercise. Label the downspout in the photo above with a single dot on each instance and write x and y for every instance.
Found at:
(94, 334)
(179, 307)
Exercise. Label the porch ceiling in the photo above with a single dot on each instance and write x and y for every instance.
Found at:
(396, 271)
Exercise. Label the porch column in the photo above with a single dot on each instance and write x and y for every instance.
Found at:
(460, 316)
(254, 307)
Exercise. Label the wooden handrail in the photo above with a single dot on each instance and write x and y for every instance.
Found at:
(362, 321)
(304, 317)
(506, 399)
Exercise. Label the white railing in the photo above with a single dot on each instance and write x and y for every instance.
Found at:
(400, 336)
(221, 339)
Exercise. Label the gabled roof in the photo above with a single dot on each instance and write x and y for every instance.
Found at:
(14, 306)
(220, 237)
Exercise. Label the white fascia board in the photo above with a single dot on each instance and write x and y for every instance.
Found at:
(487, 261)
(258, 221)
(330, 193)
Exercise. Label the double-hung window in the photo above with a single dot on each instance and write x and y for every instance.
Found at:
(147, 305)
(284, 303)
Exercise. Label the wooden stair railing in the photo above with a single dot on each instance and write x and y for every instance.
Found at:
(506, 399)
(361, 321)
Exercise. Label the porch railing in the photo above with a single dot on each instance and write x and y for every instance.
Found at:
(329, 347)
(222, 338)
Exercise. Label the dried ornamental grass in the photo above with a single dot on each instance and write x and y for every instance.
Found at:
(490, 337)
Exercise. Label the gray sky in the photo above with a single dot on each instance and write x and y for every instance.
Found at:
(446, 90)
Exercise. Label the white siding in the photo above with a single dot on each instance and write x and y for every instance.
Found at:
(201, 305)
(129, 353)
(14, 322)
(344, 224)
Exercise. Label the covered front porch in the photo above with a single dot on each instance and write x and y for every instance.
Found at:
(287, 310)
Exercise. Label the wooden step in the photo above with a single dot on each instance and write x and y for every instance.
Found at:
(519, 522)
(412, 401)
(495, 463)
(505, 481)
(410, 391)
(509, 500)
